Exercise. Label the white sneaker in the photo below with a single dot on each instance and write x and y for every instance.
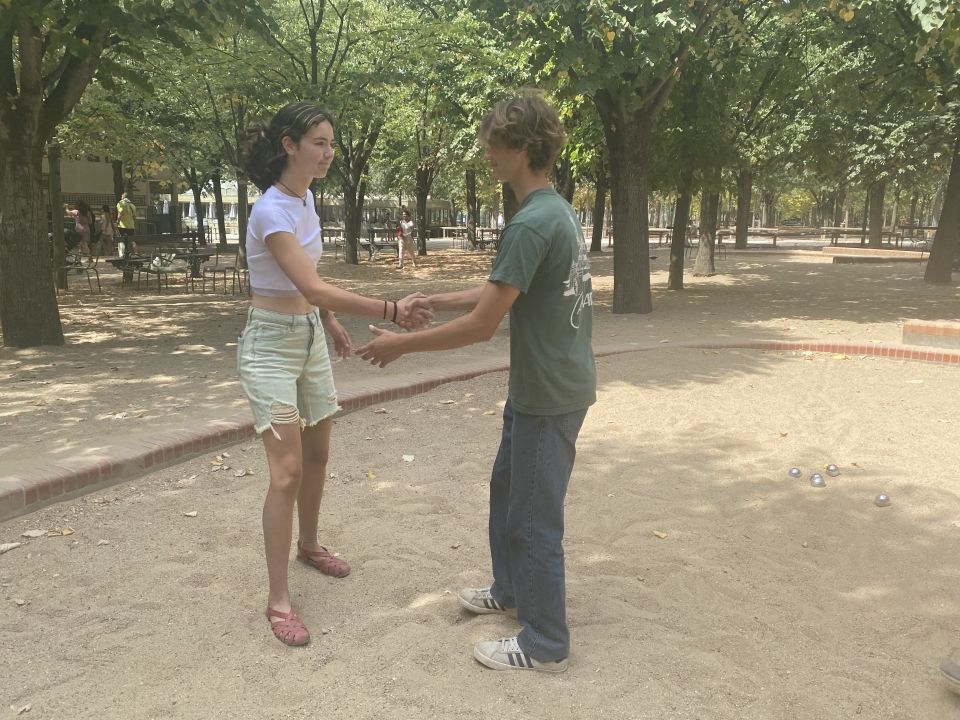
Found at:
(505, 654)
(479, 601)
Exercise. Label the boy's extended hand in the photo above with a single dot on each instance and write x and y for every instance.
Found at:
(383, 349)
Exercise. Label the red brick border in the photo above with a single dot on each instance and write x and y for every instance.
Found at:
(48, 483)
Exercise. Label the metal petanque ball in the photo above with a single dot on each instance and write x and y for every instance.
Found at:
(794, 472)
(816, 480)
(832, 470)
(882, 500)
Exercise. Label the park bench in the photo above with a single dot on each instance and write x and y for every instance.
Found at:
(871, 255)
(380, 239)
(836, 233)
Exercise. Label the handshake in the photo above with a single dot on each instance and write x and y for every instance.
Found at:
(413, 312)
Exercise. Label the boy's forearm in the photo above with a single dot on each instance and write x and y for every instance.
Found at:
(460, 300)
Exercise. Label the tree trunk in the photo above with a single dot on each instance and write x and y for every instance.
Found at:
(118, 184)
(877, 192)
(627, 136)
(196, 190)
(510, 204)
(55, 205)
(678, 242)
(473, 207)
(744, 196)
(242, 217)
(563, 177)
(709, 205)
(424, 179)
(839, 206)
(353, 198)
(866, 217)
(28, 302)
(218, 199)
(599, 211)
(947, 240)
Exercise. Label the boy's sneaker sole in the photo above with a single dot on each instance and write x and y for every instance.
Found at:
(505, 654)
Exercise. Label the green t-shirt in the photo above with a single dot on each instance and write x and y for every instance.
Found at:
(543, 254)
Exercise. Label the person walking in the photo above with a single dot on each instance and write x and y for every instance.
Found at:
(83, 223)
(541, 275)
(282, 353)
(405, 239)
(126, 223)
(108, 230)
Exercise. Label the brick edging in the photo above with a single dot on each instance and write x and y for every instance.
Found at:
(65, 479)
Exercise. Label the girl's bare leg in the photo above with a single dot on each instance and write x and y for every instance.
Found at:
(316, 453)
(284, 458)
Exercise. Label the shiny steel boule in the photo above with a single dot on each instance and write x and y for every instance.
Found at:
(816, 480)
(832, 470)
(882, 500)
(794, 472)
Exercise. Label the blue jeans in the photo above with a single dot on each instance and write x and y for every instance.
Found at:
(527, 489)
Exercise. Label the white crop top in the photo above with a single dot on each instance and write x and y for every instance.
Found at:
(275, 212)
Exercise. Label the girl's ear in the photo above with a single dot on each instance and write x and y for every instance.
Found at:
(289, 146)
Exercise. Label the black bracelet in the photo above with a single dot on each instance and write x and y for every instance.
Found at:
(394, 311)
(384, 309)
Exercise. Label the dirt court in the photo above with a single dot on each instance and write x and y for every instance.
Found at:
(703, 582)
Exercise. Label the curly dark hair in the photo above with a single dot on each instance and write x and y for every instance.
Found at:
(526, 121)
(264, 154)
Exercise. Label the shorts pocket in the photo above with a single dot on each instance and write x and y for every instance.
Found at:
(271, 331)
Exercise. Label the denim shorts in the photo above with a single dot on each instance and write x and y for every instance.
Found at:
(285, 369)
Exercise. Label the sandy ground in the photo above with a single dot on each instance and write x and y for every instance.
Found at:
(702, 581)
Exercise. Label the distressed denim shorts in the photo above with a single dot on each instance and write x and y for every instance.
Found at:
(285, 369)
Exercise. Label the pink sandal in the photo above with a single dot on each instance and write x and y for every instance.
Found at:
(323, 561)
(290, 629)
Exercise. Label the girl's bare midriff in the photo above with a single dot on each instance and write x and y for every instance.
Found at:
(288, 305)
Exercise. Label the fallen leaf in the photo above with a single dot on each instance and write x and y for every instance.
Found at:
(7, 547)
(371, 474)
(468, 395)
(217, 461)
(241, 473)
(448, 402)
(226, 454)
(192, 513)
(840, 356)
(408, 458)
(21, 602)
(102, 542)
(489, 412)
(33, 533)
(60, 532)
(659, 534)
(380, 411)
(456, 545)
(334, 475)
(783, 434)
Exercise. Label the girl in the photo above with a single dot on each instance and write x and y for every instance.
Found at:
(406, 239)
(82, 224)
(282, 353)
(108, 228)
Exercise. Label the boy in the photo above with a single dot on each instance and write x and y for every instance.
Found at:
(541, 275)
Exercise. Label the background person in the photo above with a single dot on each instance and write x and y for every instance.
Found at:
(405, 239)
(126, 223)
(282, 352)
(83, 225)
(108, 230)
